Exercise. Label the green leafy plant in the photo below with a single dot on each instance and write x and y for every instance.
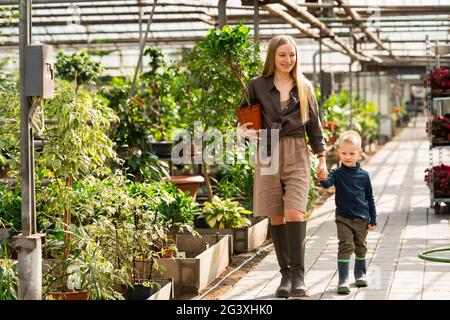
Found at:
(236, 180)
(224, 213)
(76, 147)
(212, 92)
(77, 67)
(175, 208)
(8, 275)
(10, 207)
(157, 98)
(130, 134)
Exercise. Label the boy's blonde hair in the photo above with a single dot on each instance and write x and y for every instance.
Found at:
(351, 136)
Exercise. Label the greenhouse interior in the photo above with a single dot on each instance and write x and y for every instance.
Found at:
(134, 135)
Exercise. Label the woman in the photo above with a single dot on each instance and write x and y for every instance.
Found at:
(288, 104)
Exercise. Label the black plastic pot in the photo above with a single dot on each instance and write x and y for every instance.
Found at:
(162, 148)
(139, 292)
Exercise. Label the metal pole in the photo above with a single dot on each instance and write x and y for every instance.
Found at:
(28, 243)
(256, 20)
(133, 85)
(222, 13)
(350, 95)
(141, 69)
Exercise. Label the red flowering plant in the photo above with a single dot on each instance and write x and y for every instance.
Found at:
(440, 129)
(440, 79)
(441, 179)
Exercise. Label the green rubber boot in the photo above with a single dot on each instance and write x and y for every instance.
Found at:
(344, 285)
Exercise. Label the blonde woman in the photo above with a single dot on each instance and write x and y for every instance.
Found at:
(288, 104)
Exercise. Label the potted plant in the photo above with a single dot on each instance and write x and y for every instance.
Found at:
(77, 147)
(440, 80)
(207, 93)
(441, 180)
(231, 47)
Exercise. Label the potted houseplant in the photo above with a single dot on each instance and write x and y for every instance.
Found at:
(232, 48)
(209, 92)
(224, 213)
(77, 147)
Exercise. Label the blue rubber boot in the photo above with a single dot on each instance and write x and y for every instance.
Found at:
(344, 285)
(360, 272)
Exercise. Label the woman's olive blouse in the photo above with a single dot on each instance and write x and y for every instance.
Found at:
(262, 90)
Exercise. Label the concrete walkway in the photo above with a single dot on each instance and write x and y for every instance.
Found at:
(406, 227)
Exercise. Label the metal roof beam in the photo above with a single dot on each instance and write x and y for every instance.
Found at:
(355, 16)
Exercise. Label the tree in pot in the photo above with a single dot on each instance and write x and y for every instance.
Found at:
(75, 147)
(232, 47)
(211, 93)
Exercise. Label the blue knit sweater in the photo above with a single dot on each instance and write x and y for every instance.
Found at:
(354, 196)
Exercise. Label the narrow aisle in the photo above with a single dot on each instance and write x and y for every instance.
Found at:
(406, 226)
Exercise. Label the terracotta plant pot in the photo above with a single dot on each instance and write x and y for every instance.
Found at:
(187, 183)
(70, 295)
(251, 114)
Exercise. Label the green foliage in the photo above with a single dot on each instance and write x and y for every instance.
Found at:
(78, 145)
(366, 120)
(77, 67)
(211, 93)
(175, 208)
(8, 275)
(224, 213)
(236, 180)
(10, 207)
(231, 47)
(363, 115)
(10, 129)
(7, 82)
(130, 134)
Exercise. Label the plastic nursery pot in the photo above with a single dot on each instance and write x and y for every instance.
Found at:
(251, 114)
(139, 292)
(70, 295)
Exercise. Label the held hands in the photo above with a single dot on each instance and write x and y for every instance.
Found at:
(322, 172)
(244, 131)
(371, 227)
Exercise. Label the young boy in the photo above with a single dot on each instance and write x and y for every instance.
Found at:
(355, 209)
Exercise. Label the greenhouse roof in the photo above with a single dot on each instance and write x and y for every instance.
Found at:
(371, 31)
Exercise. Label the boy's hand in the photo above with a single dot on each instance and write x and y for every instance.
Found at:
(322, 175)
(371, 227)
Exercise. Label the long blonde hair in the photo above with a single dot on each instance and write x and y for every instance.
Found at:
(304, 86)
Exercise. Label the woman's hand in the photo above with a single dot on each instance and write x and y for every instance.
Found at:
(244, 131)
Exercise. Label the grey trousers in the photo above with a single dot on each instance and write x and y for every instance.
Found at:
(352, 234)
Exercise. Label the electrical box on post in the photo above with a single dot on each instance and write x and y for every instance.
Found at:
(39, 74)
